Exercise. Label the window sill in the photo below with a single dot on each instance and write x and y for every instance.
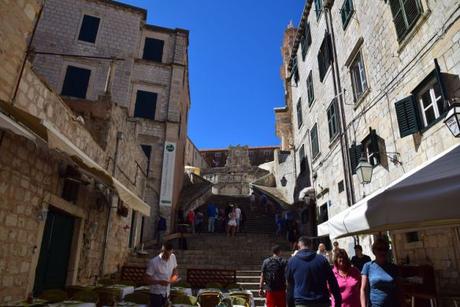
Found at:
(408, 37)
(315, 159)
(334, 140)
(362, 98)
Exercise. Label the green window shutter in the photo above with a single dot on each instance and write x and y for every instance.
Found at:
(355, 154)
(407, 115)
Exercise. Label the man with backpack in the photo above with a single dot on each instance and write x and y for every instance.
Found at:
(272, 279)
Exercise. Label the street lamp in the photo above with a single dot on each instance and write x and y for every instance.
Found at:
(364, 171)
(453, 119)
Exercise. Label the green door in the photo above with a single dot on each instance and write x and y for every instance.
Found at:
(53, 261)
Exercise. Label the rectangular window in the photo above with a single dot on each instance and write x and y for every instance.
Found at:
(430, 102)
(371, 148)
(147, 149)
(132, 229)
(76, 82)
(346, 12)
(295, 71)
(71, 185)
(145, 104)
(425, 107)
(314, 141)
(89, 29)
(153, 49)
(299, 113)
(358, 77)
(302, 159)
(405, 14)
(311, 92)
(306, 42)
(325, 56)
(332, 119)
(322, 214)
(318, 7)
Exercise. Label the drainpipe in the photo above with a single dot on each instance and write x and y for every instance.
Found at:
(338, 92)
(109, 213)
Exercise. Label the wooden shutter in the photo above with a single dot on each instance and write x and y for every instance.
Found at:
(346, 11)
(374, 146)
(355, 154)
(311, 93)
(412, 11)
(407, 115)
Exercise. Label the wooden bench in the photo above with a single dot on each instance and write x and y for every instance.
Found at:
(199, 278)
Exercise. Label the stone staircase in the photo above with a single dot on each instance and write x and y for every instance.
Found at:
(243, 253)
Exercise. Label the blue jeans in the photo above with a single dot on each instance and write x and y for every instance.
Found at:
(211, 223)
(158, 300)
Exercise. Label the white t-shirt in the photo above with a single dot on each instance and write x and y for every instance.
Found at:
(237, 213)
(160, 269)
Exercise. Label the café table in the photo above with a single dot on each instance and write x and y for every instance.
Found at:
(120, 290)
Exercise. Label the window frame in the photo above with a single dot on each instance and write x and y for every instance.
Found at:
(310, 89)
(361, 73)
(81, 25)
(314, 141)
(333, 120)
(348, 18)
(156, 104)
(325, 58)
(402, 10)
(306, 41)
(299, 112)
(439, 114)
(64, 78)
(318, 8)
(155, 60)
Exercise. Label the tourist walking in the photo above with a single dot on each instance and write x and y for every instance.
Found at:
(359, 259)
(382, 279)
(323, 252)
(212, 212)
(310, 276)
(191, 219)
(238, 218)
(199, 221)
(160, 274)
(348, 279)
(231, 224)
(272, 283)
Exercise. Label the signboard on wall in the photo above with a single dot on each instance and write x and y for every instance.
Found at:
(167, 174)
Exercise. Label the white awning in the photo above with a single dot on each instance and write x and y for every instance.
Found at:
(58, 141)
(427, 196)
(9, 124)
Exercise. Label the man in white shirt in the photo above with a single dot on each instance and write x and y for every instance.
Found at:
(160, 274)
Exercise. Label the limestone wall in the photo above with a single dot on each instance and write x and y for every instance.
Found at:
(13, 35)
(118, 36)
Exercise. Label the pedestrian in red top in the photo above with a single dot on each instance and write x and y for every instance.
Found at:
(348, 278)
(191, 219)
(272, 283)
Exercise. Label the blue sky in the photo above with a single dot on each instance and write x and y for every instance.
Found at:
(234, 65)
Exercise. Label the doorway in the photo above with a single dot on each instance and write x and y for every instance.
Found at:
(52, 267)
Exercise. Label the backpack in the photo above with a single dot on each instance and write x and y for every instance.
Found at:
(274, 273)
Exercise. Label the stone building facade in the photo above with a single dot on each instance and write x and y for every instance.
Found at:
(193, 156)
(64, 198)
(353, 66)
(109, 48)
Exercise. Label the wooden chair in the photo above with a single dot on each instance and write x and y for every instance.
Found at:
(209, 299)
(53, 295)
(106, 297)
